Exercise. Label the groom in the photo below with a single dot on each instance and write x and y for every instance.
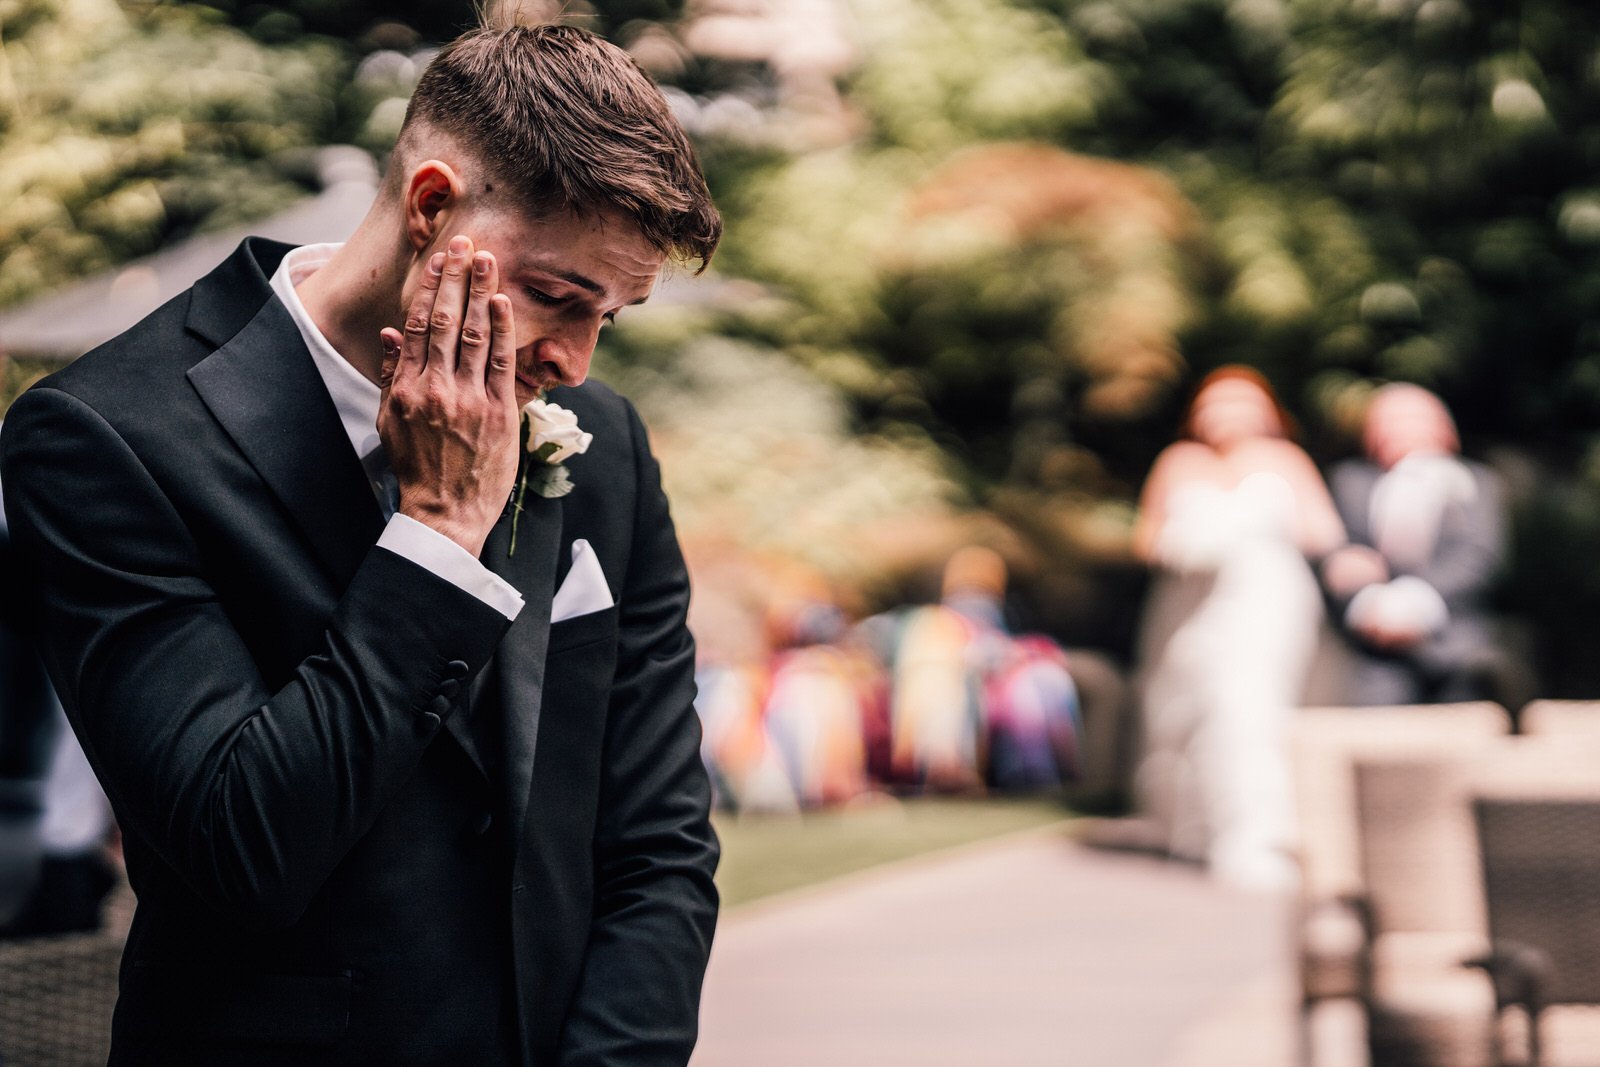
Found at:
(1428, 536)
(392, 790)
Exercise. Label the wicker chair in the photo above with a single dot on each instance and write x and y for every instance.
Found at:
(1344, 924)
(57, 992)
(1426, 914)
(1538, 822)
(1561, 718)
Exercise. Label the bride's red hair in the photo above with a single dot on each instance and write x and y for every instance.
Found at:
(1287, 427)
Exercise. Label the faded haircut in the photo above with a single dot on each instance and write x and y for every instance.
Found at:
(563, 120)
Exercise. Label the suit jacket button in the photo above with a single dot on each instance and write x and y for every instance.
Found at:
(456, 669)
(430, 722)
(440, 706)
(485, 821)
(449, 687)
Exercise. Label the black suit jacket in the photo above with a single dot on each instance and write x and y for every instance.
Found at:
(367, 820)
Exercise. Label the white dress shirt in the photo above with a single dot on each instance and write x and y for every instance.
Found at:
(356, 400)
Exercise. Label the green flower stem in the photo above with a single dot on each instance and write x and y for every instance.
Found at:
(516, 509)
(525, 429)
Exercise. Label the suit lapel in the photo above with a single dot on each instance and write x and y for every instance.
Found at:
(264, 389)
(520, 660)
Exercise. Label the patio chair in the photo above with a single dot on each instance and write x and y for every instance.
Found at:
(1539, 834)
(1561, 718)
(1337, 926)
(1425, 912)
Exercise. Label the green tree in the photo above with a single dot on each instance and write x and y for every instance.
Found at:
(125, 126)
(1385, 190)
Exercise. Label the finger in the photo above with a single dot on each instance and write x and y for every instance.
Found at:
(414, 349)
(501, 378)
(475, 326)
(393, 341)
(444, 321)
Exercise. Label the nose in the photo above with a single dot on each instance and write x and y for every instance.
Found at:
(563, 355)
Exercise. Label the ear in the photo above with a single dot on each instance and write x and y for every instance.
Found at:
(432, 189)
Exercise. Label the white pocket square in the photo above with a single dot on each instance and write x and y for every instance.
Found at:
(585, 590)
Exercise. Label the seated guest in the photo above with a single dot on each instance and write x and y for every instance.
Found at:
(1428, 535)
(823, 692)
(934, 657)
(971, 706)
(745, 766)
(1027, 699)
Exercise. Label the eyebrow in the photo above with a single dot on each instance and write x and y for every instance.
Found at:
(581, 281)
(577, 279)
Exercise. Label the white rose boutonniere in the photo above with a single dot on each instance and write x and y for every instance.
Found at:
(550, 435)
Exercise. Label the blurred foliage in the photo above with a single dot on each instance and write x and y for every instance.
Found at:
(124, 126)
(396, 23)
(405, 23)
(16, 375)
(760, 456)
(1383, 189)
(990, 252)
(1386, 189)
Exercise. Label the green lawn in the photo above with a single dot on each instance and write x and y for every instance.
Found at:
(762, 855)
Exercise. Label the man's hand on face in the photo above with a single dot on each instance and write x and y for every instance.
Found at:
(449, 416)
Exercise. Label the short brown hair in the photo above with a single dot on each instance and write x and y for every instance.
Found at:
(566, 120)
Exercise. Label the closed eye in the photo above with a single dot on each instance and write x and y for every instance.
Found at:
(542, 297)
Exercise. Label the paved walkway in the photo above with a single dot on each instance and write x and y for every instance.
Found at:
(1027, 951)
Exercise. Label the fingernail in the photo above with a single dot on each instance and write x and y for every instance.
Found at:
(459, 245)
(389, 347)
(436, 264)
(480, 263)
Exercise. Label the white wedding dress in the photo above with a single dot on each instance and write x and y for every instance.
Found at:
(1226, 643)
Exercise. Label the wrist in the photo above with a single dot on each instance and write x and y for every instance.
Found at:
(469, 537)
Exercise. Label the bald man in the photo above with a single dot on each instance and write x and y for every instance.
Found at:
(1427, 533)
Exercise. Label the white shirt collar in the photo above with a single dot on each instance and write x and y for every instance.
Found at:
(354, 397)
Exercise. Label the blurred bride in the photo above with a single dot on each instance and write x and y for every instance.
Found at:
(1228, 518)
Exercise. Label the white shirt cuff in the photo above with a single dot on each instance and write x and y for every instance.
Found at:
(434, 552)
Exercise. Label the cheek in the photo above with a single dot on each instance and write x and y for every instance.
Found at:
(535, 324)
(408, 290)
(530, 320)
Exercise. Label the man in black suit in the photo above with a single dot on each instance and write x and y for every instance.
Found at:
(395, 790)
(1427, 533)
